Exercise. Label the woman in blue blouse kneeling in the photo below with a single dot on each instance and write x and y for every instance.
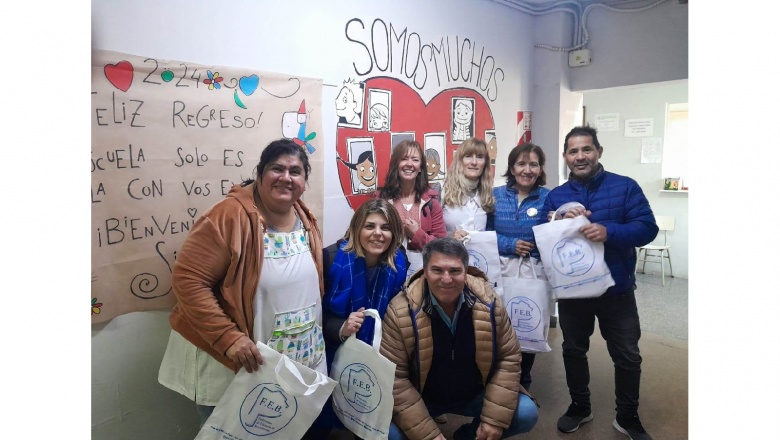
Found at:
(367, 271)
(363, 270)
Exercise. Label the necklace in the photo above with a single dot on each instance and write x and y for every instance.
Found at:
(297, 225)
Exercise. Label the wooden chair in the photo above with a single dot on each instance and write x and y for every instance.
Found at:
(653, 253)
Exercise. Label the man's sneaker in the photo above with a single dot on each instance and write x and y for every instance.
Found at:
(575, 416)
(442, 419)
(632, 427)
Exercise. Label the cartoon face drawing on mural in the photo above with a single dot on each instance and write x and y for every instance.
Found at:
(365, 170)
(349, 103)
(290, 125)
(294, 127)
(461, 118)
(379, 118)
(492, 146)
(433, 161)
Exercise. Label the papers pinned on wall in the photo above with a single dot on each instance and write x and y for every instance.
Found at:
(652, 150)
(608, 122)
(639, 127)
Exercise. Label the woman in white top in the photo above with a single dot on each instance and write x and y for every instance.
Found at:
(467, 195)
(250, 270)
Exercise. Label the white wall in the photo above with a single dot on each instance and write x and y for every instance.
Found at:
(635, 48)
(306, 38)
(622, 154)
(552, 100)
(127, 401)
(627, 49)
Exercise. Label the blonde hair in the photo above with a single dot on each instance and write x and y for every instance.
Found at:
(375, 206)
(454, 191)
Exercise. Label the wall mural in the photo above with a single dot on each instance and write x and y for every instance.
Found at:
(377, 111)
(363, 152)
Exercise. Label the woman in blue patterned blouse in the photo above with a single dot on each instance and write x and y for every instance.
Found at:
(517, 210)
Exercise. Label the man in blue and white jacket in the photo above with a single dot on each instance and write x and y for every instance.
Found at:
(621, 218)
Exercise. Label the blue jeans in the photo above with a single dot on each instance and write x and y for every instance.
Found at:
(525, 370)
(619, 325)
(204, 412)
(524, 419)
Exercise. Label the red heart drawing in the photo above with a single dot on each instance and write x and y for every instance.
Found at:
(409, 114)
(119, 74)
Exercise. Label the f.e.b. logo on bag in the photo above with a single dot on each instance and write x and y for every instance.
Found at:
(280, 401)
(267, 409)
(360, 387)
(482, 247)
(363, 376)
(524, 314)
(479, 261)
(573, 256)
(575, 265)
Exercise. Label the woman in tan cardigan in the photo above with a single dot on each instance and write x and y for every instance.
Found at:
(233, 280)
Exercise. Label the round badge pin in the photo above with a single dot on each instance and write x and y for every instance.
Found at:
(532, 212)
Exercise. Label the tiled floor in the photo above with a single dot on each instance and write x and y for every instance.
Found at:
(663, 407)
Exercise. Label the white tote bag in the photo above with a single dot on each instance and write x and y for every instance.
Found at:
(574, 265)
(483, 254)
(413, 257)
(527, 302)
(279, 401)
(363, 398)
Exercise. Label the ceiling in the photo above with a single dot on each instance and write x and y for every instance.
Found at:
(580, 10)
(617, 3)
(578, 6)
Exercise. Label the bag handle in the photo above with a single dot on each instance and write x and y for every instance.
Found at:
(377, 341)
(288, 375)
(566, 207)
(530, 263)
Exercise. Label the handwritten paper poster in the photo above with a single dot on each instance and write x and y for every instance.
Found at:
(639, 127)
(652, 150)
(169, 139)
